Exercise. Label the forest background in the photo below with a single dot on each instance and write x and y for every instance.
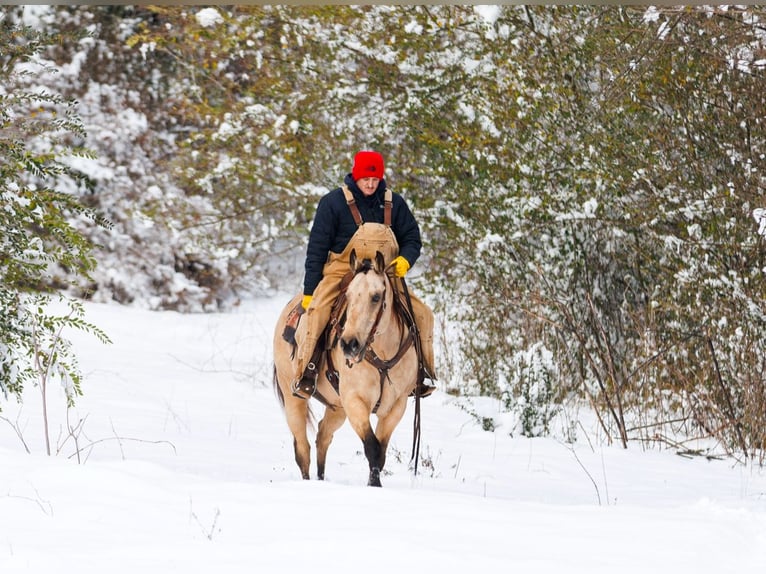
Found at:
(589, 183)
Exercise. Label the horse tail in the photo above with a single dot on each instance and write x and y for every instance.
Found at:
(310, 418)
(278, 389)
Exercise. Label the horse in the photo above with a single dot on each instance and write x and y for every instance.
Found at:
(371, 366)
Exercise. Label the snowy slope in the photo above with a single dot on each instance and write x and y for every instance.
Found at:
(186, 464)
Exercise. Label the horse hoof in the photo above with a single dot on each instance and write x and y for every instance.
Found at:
(374, 477)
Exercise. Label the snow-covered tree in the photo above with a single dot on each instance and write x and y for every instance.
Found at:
(588, 181)
(41, 249)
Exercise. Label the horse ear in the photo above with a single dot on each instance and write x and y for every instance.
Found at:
(352, 260)
(380, 262)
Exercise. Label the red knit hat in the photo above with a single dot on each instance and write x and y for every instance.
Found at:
(367, 164)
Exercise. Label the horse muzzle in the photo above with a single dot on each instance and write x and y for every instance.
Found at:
(352, 349)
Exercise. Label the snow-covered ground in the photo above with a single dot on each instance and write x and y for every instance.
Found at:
(185, 465)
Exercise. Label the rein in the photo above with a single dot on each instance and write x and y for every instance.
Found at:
(414, 334)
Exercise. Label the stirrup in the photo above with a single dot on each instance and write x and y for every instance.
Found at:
(421, 389)
(305, 387)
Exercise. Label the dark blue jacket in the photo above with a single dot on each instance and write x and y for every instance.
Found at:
(334, 226)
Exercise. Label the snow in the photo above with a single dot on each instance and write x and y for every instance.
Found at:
(760, 218)
(490, 13)
(208, 17)
(186, 465)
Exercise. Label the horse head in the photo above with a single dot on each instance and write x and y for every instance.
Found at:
(366, 301)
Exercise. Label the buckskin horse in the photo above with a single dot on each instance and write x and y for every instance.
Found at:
(370, 366)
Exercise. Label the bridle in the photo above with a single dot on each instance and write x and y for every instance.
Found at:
(373, 330)
(337, 322)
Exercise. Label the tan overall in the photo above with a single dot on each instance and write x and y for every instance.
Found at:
(368, 239)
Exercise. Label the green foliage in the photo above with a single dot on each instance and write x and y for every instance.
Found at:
(34, 348)
(40, 249)
(620, 232)
(530, 391)
(586, 179)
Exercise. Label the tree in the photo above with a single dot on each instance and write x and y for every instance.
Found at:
(40, 250)
(621, 232)
(587, 181)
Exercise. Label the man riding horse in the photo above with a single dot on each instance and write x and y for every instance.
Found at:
(366, 216)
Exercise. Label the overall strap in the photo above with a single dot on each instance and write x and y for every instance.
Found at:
(388, 203)
(352, 206)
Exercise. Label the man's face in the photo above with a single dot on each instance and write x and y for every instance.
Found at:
(368, 185)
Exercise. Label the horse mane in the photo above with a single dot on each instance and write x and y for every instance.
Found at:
(364, 266)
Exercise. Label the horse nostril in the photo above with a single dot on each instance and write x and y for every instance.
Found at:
(350, 347)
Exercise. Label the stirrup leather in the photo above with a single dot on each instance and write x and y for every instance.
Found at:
(306, 386)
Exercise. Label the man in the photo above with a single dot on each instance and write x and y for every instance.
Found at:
(354, 216)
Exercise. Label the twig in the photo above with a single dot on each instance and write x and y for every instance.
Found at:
(74, 434)
(587, 436)
(727, 396)
(209, 371)
(208, 534)
(39, 501)
(603, 473)
(116, 436)
(119, 438)
(685, 451)
(582, 466)
(17, 430)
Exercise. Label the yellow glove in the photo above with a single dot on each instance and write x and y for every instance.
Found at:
(306, 301)
(401, 266)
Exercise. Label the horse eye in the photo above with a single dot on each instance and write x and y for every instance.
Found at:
(376, 298)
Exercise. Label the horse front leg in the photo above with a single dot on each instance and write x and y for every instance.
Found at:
(387, 423)
(332, 420)
(359, 416)
(376, 456)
